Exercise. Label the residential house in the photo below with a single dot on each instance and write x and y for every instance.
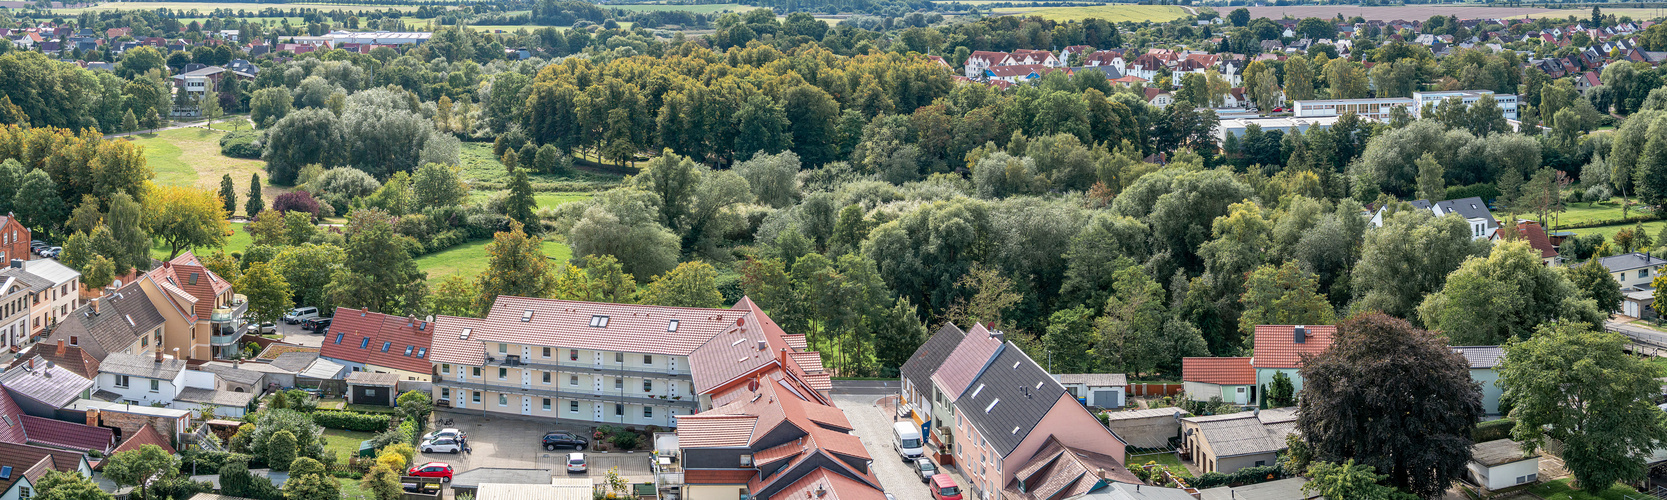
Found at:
(1011, 412)
(1014, 74)
(1112, 58)
(1037, 57)
(1227, 443)
(69, 357)
(380, 343)
(114, 33)
(233, 377)
(122, 321)
(14, 312)
(22, 466)
(1282, 348)
(1137, 491)
(55, 291)
(1066, 53)
(1586, 81)
(18, 427)
(1145, 67)
(977, 348)
(1058, 471)
(1472, 209)
(14, 239)
(1502, 463)
(200, 81)
(142, 380)
(1231, 379)
(1102, 390)
(147, 434)
(981, 60)
(40, 389)
(1283, 489)
(597, 362)
(917, 393)
(1484, 369)
(129, 420)
(1531, 232)
(204, 317)
(1158, 98)
(1635, 272)
(776, 442)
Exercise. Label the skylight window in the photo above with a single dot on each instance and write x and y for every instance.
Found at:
(363, 343)
(978, 390)
(1015, 431)
(1038, 385)
(386, 345)
(599, 321)
(339, 338)
(992, 405)
(409, 348)
(672, 326)
(465, 334)
(422, 351)
(527, 316)
(129, 319)
(737, 342)
(6, 472)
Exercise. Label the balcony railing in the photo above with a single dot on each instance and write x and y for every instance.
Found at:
(233, 313)
(611, 396)
(553, 364)
(223, 338)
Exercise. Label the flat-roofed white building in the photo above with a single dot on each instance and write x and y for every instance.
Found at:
(1377, 109)
(1237, 126)
(378, 37)
(1507, 102)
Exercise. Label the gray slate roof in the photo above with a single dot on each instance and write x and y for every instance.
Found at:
(55, 386)
(228, 373)
(1482, 356)
(295, 361)
(109, 330)
(133, 365)
(1110, 71)
(1628, 262)
(214, 397)
(1470, 208)
(36, 283)
(473, 478)
(919, 368)
(1025, 392)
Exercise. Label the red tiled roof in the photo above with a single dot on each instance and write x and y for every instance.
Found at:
(70, 435)
(71, 358)
(781, 452)
(1276, 345)
(718, 476)
(733, 353)
(352, 327)
(449, 346)
(1537, 239)
(630, 328)
(1220, 371)
(25, 461)
(145, 435)
(407, 340)
(11, 429)
(189, 274)
(835, 486)
(963, 363)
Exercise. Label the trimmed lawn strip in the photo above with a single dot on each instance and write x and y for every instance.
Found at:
(1168, 460)
(1560, 490)
(344, 442)
(470, 258)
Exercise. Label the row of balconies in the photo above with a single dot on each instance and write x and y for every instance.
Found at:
(609, 395)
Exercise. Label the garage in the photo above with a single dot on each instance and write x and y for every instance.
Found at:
(366, 388)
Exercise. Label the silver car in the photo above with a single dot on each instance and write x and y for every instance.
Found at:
(925, 468)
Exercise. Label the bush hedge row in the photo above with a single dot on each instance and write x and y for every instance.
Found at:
(1247, 475)
(242, 144)
(1493, 430)
(351, 421)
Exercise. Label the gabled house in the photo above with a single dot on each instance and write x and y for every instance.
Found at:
(1633, 270)
(203, 319)
(142, 380)
(14, 313)
(55, 290)
(1227, 443)
(69, 357)
(917, 393)
(1010, 412)
(18, 427)
(1158, 98)
(955, 374)
(14, 239)
(122, 321)
(1531, 232)
(1284, 348)
(1472, 209)
(380, 343)
(22, 466)
(1484, 369)
(981, 60)
(774, 444)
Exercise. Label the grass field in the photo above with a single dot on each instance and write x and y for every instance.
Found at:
(1560, 490)
(1167, 460)
(1114, 13)
(208, 6)
(191, 157)
(698, 9)
(470, 258)
(345, 443)
(238, 241)
(1639, 14)
(479, 165)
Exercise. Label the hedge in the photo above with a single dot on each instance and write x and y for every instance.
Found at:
(1247, 475)
(241, 145)
(1493, 430)
(352, 421)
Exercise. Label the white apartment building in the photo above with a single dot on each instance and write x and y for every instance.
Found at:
(1507, 102)
(1376, 109)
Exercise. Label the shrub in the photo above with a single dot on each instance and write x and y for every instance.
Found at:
(296, 201)
(242, 144)
(624, 440)
(1485, 191)
(1493, 430)
(351, 421)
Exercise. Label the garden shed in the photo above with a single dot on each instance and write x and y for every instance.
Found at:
(366, 388)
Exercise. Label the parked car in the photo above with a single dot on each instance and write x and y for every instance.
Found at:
(442, 445)
(300, 314)
(316, 324)
(440, 470)
(445, 433)
(944, 488)
(925, 468)
(906, 440)
(52, 252)
(576, 462)
(560, 439)
(265, 328)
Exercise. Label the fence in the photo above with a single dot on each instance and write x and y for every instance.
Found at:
(1154, 389)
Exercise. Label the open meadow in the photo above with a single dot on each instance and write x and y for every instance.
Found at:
(191, 157)
(1421, 12)
(208, 6)
(711, 8)
(1116, 13)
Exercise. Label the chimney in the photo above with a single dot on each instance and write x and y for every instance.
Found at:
(60, 347)
(159, 357)
(1299, 334)
(781, 356)
(92, 417)
(411, 321)
(31, 364)
(17, 263)
(95, 305)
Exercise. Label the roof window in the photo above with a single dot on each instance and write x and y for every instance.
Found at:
(992, 405)
(339, 338)
(671, 326)
(365, 342)
(978, 390)
(422, 351)
(409, 348)
(599, 321)
(527, 316)
(386, 345)
(465, 334)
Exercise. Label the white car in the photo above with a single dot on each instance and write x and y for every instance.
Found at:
(444, 433)
(576, 462)
(442, 445)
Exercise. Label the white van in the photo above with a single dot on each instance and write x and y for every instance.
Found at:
(907, 441)
(300, 314)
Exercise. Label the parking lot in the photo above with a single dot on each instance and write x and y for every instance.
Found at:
(873, 426)
(515, 443)
(293, 334)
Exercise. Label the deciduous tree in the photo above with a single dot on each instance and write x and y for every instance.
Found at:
(691, 284)
(185, 218)
(268, 293)
(141, 468)
(1504, 295)
(515, 266)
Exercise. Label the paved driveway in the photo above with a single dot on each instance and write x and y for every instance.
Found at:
(873, 425)
(516, 443)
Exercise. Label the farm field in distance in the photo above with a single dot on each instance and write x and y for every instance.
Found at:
(698, 9)
(1116, 13)
(1421, 12)
(208, 6)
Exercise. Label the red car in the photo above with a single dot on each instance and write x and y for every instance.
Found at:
(440, 470)
(944, 488)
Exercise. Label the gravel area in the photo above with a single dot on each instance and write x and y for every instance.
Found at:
(873, 425)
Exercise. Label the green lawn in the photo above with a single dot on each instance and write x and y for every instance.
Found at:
(470, 258)
(352, 490)
(1560, 490)
(480, 165)
(1652, 228)
(238, 241)
(345, 443)
(1586, 212)
(1116, 13)
(1167, 460)
(191, 157)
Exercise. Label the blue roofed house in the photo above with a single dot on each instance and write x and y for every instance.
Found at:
(1484, 369)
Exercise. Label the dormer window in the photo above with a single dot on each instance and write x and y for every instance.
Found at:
(527, 316)
(599, 321)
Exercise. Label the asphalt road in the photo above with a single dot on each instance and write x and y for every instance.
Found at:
(866, 387)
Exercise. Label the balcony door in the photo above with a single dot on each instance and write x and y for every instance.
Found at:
(526, 405)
